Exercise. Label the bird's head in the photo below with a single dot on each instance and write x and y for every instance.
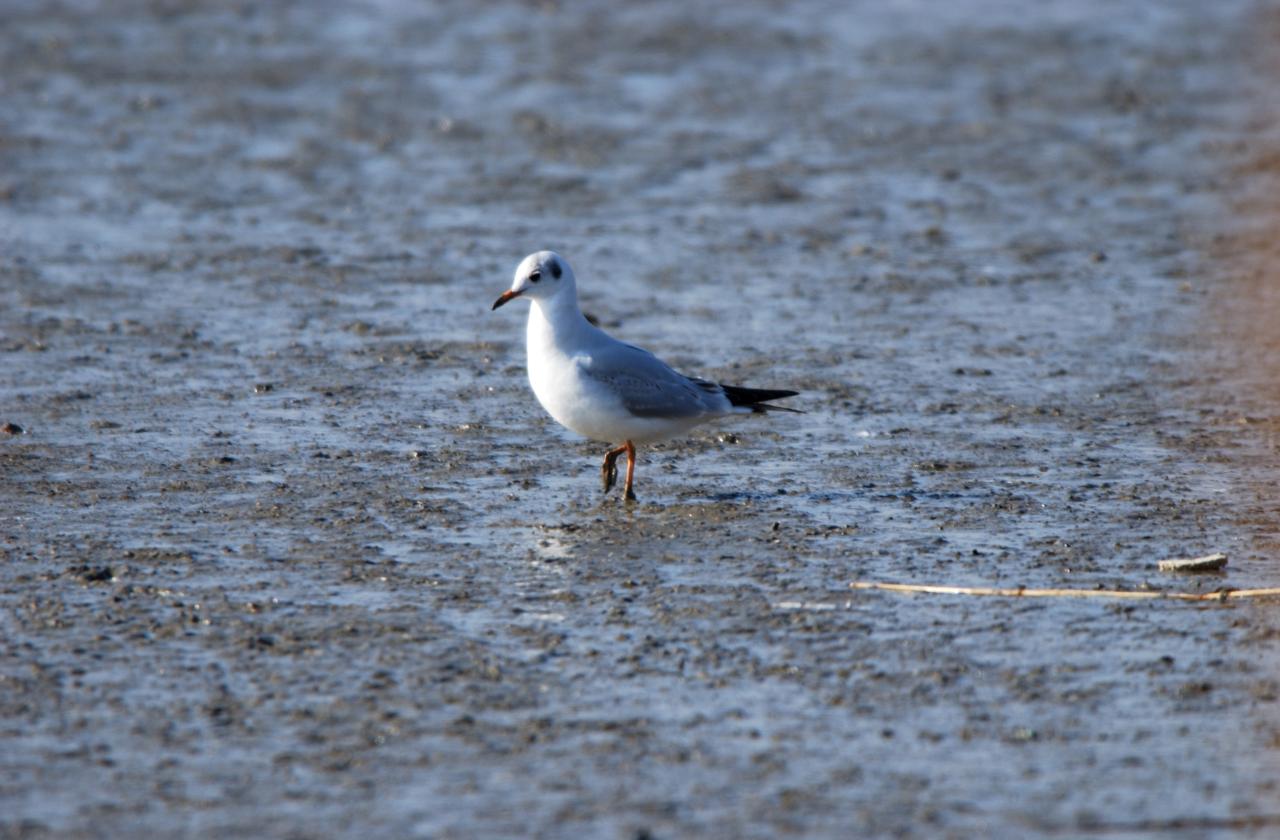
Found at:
(539, 276)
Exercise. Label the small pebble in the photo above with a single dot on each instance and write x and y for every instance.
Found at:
(1208, 563)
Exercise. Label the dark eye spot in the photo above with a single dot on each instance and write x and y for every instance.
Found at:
(535, 277)
(555, 269)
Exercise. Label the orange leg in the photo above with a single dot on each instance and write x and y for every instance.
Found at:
(631, 470)
(609, 470)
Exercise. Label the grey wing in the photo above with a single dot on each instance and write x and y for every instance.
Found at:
(649, 387)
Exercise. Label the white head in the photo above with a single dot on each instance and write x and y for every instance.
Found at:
(541, 276)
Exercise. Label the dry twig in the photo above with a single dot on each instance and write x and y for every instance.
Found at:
(1023, 592)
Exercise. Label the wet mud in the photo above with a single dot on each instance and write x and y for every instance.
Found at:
(290, 549)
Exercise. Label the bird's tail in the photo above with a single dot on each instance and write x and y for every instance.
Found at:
(757, 399)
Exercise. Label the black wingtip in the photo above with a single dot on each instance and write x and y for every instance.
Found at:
(755, 398)
(762, 407)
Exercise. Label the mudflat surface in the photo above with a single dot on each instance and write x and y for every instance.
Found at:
(290, 550)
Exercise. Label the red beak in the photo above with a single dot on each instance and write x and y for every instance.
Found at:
(506, 296)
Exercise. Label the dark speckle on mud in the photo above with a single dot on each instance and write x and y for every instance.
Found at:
(291, 550)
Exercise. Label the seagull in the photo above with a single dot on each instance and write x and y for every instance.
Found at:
(603, 389)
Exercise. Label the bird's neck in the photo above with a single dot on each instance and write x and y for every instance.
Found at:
(556, 321)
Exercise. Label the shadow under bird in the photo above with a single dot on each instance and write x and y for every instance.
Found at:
(603, 389)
